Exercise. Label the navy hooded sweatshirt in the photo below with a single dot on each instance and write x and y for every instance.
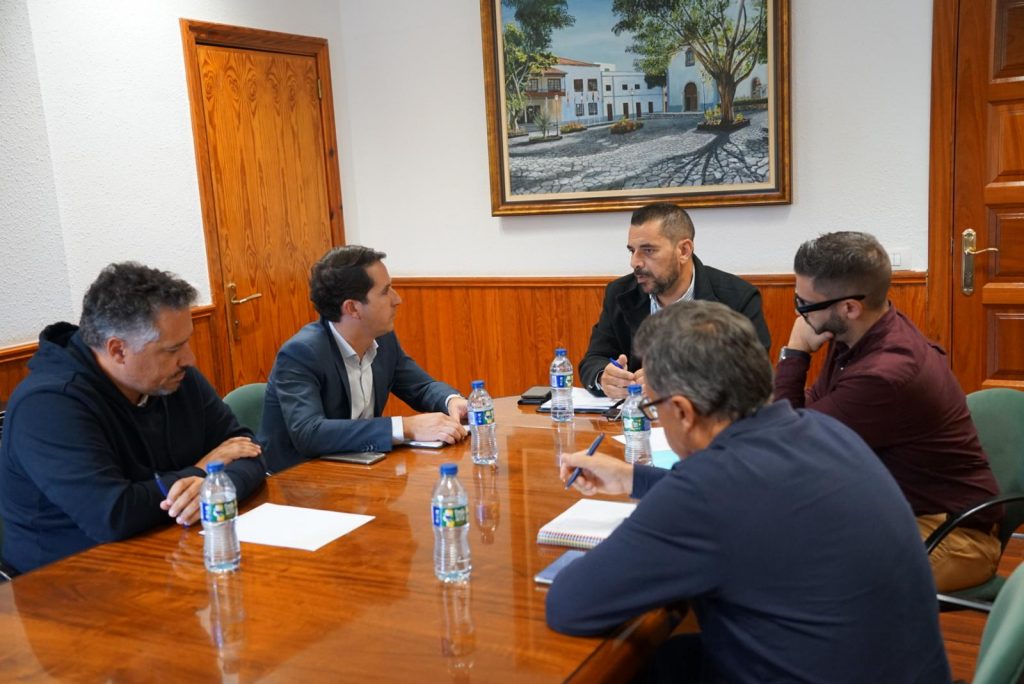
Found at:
(77, 458)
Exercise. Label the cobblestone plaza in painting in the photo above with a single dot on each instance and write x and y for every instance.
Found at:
(668, 151)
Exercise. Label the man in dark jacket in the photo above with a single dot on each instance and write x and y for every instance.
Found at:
(665, 271)
(113, 412)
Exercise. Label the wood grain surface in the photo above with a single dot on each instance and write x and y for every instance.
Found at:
(365, 607)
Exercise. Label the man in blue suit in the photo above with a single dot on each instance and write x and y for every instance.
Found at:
(331, 380)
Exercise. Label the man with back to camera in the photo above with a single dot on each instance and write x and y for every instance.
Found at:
(109, 408)
(665, 270)
(885, 380)
(330, 381)
(762, 526)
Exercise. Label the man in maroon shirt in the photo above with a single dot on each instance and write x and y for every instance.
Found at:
(894, 388)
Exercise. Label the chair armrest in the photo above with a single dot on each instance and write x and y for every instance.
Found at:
(945, 528)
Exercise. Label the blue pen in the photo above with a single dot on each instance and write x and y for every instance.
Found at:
(163, 488)
(615, 363)
(590, 452)
(160, 484)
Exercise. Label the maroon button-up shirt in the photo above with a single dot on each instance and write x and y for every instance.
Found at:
(895, 389)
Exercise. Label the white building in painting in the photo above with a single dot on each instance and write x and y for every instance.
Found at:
(626, 95)
(690, 89)
(589, 93)
(582, 101)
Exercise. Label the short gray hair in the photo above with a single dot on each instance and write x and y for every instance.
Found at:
(709, 354)
(125, 300)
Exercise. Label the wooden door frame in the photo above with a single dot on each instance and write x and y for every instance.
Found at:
(193, 34)
(940, 290)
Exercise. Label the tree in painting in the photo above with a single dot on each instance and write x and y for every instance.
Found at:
(527, 47)
(728, 38)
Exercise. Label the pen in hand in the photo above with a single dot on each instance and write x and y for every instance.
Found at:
(590, 452)
(615, 363)
(160, 484)
(163, 488)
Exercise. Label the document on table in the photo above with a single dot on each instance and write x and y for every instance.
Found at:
(295, 527)
(583, 402)
(661, 453)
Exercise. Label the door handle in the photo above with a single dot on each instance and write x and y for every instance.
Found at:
(967, 241)
(233, 301)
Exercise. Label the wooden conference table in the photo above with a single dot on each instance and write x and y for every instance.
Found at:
(364, 607)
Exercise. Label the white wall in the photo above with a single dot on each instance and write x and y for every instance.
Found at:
(99, 90)
(860, 77)
(114, 119)
(33, 274)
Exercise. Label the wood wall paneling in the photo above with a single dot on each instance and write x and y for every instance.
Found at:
(14, 360)
(502, 330)
(505, 330)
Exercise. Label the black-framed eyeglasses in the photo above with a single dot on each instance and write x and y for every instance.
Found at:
(804, 307)
(647, 407)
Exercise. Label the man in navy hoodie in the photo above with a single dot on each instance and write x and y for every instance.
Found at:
(789, 539)
(113, 410)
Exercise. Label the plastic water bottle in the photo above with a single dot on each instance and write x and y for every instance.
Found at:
(561, 387)
(219, 508)
(450, 508)
(637, 428)
(483, 443)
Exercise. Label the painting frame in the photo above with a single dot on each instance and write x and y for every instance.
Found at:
(776, 190)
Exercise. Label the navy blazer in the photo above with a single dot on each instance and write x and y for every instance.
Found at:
(307, 408)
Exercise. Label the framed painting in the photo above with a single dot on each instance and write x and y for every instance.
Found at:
(607, 105)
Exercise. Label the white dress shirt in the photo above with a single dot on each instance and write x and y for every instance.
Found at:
(360, 384)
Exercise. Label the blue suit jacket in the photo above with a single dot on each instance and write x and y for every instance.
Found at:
(307, 408)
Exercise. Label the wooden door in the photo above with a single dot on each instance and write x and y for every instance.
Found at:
(987, 336)
(264, 131)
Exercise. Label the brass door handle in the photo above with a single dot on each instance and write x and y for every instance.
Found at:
(233, 301)
(968, 241)
(243, 300)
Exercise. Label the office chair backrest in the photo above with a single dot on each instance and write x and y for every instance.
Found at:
(246, 403)
(999, 416)
(1001, 656)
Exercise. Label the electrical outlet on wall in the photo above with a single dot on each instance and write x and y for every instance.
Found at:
(901, 258)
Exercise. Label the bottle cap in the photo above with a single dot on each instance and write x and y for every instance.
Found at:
(635, 389)
(449, 469)
(560, 351)
(478, 384)
(214, 467)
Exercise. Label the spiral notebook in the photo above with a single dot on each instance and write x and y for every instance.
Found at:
(585, 524)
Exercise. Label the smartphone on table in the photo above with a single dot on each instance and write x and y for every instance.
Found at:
(359, 457)
(547, 575)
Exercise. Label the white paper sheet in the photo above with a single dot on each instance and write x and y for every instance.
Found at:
(661, 452)
(294, 527)
(583, 400)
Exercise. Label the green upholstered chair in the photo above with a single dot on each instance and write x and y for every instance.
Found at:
(246, 402)
(1001, 657)
(999, 416)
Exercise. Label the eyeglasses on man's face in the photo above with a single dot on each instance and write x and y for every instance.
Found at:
(803, 307)
(648, 407)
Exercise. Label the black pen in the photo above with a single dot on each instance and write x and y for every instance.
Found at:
(590, 452)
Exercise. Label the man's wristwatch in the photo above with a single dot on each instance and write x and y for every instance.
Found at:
(790, 353)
